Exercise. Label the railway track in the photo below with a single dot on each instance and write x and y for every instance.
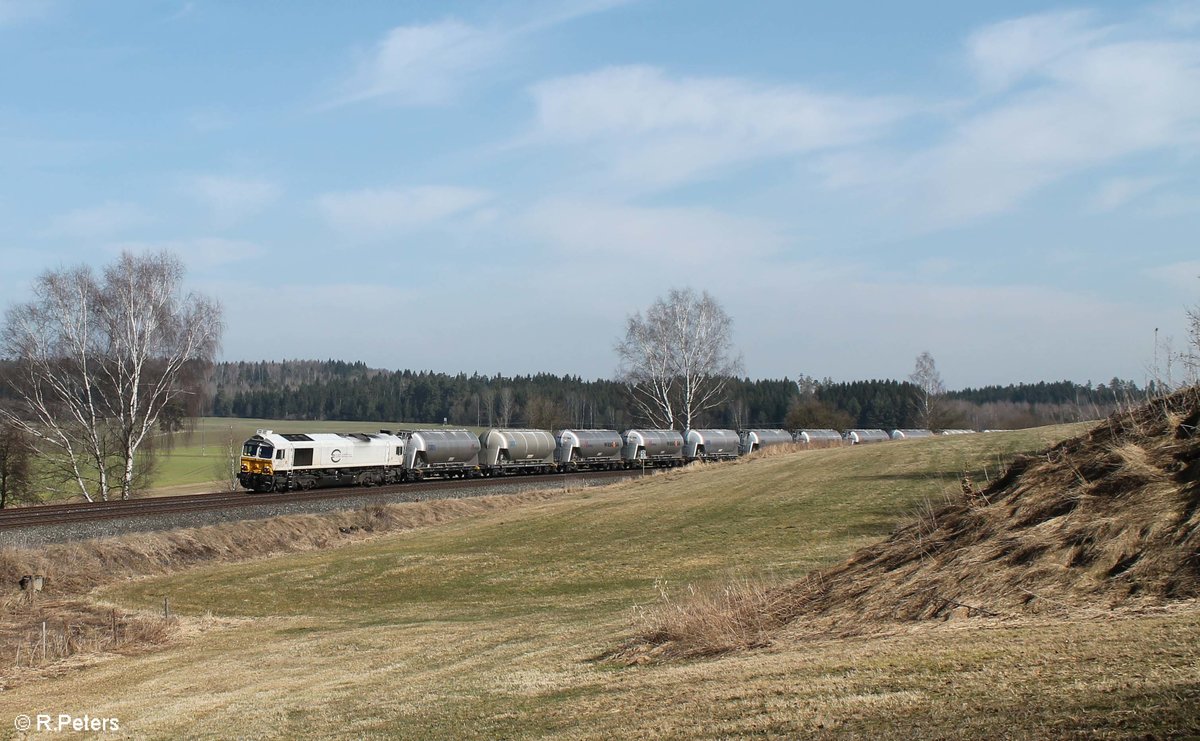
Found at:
(59, 514)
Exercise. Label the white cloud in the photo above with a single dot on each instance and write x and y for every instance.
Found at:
(1004, 53)
(429, 64)
(15, 11)
(1170, 205)
(1089, 98)
(1097, 105)
(422, 65)
(232, 199)
(201, 254)
(95, 222)
(378, 212)
(1181, 14)
(1116, 192)
(664, 130)
(1181, 276)
(628, 235)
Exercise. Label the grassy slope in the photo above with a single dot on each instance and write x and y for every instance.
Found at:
(484, 627)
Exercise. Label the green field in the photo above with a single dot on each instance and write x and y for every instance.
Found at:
(487, 626)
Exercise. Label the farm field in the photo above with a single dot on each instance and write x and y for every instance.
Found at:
(489, 625)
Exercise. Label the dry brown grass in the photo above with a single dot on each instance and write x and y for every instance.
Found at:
(714, 620)
(1107, 519)
(78, 626)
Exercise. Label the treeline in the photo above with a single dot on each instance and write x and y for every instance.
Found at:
(1060, 392)
(334, 390)
(337, 390)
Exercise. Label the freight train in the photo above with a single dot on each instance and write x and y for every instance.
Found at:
(272, 461)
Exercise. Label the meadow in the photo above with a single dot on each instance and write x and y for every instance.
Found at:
(492, 624)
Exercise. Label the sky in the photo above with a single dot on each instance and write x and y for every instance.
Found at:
(495, 187)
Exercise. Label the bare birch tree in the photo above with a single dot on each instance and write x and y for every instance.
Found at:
(1191, 357)
(677, 360)
(98, 360)
(930, 389)
(507, 406)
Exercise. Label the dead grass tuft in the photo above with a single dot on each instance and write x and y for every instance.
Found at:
(1107, 519)
(709, 621)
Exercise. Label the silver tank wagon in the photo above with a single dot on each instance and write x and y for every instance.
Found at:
(447, 453)
(710, 444)
(525, 451)
(910, 434)
(660, 447)
(861, 437)
(588, 449)
(753, 440)
(818, 438)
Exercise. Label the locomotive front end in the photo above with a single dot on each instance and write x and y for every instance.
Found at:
(260, 455)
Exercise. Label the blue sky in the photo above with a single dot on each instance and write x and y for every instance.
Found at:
(495, 186)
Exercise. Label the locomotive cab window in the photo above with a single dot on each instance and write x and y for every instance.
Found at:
(266, 451)
(249, 449)
(279, 455)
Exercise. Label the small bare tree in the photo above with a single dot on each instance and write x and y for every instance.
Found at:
(1192, 356)
(930, 390)
(507, 406)
(677, 360)
(96, 361)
